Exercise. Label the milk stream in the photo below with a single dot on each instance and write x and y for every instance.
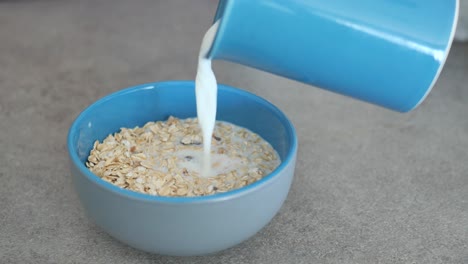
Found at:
(206, 90)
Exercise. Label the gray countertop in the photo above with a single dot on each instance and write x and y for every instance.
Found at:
(371, 185)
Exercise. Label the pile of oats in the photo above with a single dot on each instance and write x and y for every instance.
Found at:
(161, 158)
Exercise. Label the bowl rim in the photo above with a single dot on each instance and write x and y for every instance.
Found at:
(290, 156)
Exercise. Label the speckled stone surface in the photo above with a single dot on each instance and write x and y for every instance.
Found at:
(371, 186)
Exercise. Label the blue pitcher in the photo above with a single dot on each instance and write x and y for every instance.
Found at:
(386, 52)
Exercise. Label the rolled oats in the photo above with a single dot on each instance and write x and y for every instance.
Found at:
(164, 158)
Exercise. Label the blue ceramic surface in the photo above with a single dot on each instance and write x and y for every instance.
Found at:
(386, 52)
(179, 225)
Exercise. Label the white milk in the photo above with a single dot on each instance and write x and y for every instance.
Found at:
(191, 158)
(220, 163)
(206, 90)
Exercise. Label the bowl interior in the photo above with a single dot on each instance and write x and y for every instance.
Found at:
(157, 101)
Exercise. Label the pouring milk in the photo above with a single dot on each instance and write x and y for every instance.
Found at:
(206, 91)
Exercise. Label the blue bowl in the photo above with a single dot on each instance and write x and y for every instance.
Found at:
(180, 226)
